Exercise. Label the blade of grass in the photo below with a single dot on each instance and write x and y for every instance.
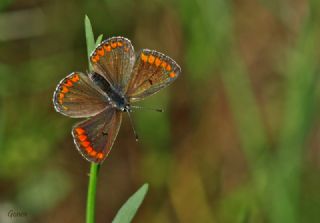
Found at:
(94, 169)
(302, 71)
(89, 38)
(99, 39)
(129, 209)
(216, 30)
(92, 188)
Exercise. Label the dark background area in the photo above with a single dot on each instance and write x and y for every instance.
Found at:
(239, 139)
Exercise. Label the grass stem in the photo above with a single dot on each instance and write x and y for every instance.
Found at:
(92, 188)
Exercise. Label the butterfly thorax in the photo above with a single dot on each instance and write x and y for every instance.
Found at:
(112, 95)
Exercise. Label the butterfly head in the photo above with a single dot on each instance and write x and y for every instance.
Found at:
(119, 102)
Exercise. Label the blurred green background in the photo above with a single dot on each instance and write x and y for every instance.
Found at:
(239, 141)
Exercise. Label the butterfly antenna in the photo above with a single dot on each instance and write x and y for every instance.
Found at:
(134, 131)
(152, 109)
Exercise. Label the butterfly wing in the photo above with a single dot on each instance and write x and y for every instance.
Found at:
(94, 137)
(152, 72)
(77, 97)
(114, 59)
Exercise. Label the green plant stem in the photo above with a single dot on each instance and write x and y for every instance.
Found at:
(92, 188)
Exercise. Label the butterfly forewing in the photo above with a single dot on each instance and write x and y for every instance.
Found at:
(114, 58)
(77, 97)
(152, 71)
(94, 137)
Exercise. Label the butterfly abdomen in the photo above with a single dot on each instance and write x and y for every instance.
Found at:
(113, 96)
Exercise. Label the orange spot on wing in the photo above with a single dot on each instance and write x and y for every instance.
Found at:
(68, 83)
(151, 59)
(64, 89)
(172, 74)
(85, 143)
(168, 68)
(60, 101)
(61, 96)
(100, 155)
(89, 149)
(120, 44)
(82, 137)
(80, 131)
(164, 64)
(100, 51)
(157, 62)
(93, 60)
(114, 45)
(107, 48)
(75, 78)
(97, 58)
(93, 153)
(144, 58)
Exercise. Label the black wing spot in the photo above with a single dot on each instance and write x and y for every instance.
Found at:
(150, 81)
(104, 133)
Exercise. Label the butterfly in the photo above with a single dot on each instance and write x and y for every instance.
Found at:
(119, 77)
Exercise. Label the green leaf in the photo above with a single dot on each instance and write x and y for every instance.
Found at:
(99, 39)
(129, 209)
(89, 38)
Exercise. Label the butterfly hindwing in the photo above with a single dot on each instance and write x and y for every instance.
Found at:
(77, 97)
(152, 71)
(94, 137)
(114, 58)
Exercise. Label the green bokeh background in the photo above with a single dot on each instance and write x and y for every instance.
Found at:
(239, 139)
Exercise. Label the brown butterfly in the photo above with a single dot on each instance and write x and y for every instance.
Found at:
(119, 77)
